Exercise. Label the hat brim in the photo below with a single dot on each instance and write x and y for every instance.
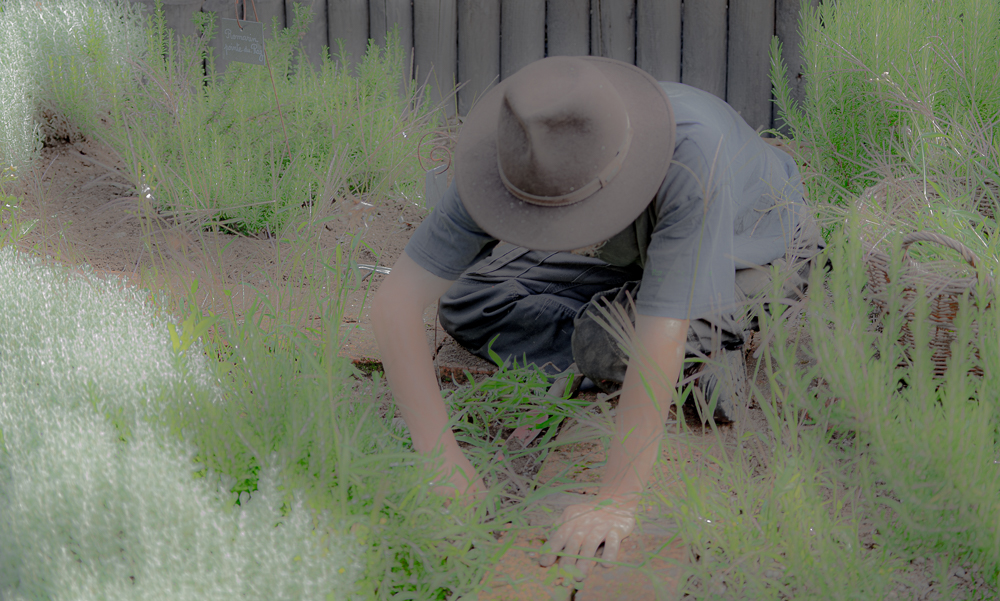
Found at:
(594, 219)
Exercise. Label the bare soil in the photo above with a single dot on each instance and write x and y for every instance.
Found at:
(89, 214)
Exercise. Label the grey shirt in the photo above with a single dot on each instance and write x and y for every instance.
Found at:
(729, 201)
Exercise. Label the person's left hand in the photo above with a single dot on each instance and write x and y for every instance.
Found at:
(582, 529)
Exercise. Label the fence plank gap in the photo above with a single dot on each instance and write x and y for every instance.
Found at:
(383, 15)
(315, 39)
(786, 27)
(348, 25)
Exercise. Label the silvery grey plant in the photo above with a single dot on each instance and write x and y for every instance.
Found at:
(99, 499)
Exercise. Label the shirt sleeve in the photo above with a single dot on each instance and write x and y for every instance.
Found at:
(690, 271)
(448, 241)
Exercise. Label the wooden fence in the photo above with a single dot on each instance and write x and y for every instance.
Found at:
(717, 45)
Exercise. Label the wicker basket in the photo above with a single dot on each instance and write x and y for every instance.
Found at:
(944, 283)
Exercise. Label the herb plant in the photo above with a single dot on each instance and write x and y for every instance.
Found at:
(99, 498)
(894, 88)
(218, 147)
(58, 60)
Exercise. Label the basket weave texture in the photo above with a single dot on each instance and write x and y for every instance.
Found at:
(944, 283)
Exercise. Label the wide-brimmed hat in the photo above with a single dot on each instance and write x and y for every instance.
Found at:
(565, 153)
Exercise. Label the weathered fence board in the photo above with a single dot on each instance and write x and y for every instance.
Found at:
(435, 24)
(786, 27)
(383, 15)
(315, 39)
(568, 27)
(149, 6)
(658, 38)
(218, 9)
(748, 88)
(612, 29)
(522, 34)
(717, 45)
(478, 49)
(348, 25)
(703, 62)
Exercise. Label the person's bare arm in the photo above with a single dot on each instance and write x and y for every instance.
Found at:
(397, 319)
(639, 424)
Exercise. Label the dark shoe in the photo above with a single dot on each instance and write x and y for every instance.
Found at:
(562, 381)
(595, 350)
(722, 382)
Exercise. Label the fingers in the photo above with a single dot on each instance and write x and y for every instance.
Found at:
(584, 566)
(579, 551)
(446, 490)
(581, 533)
(588, 552)
(612, 543)
(547, 559)
(573, 547)
(556, 544)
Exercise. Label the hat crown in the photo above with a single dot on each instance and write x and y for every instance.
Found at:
(562, 132)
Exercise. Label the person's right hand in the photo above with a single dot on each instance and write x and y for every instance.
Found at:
(583, 528)
(457, 479)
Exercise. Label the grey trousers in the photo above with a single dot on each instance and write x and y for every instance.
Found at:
(526, 305)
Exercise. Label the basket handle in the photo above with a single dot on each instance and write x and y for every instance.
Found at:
(969, 256)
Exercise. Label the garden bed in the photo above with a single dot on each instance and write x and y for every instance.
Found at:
(854, 473)
(84, 220)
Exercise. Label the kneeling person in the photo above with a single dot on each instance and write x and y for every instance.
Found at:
(604, 186)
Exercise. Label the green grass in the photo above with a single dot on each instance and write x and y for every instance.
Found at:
(292, 401)
(55, 58)
(276, 427)
(209, 431)
(866, 463)
(923, 450)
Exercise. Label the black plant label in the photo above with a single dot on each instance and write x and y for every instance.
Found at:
(240, 41)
